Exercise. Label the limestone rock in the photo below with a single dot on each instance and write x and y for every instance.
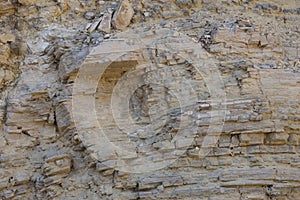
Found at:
(94, 25)
(105, 24)
(4, 38)
(89, 15)
(5, 54)
(60, 164)
(27, 2)
(6, 7)
(123, 15)
(64, 129)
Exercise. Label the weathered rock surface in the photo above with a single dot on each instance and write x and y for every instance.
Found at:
(5, 38)
(105, 24)
(51, 148)
(123, 15)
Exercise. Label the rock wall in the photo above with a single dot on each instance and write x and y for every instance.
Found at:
(166, 99)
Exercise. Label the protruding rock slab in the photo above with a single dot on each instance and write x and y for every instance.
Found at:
(123, 15)
(60, 164)
(95, 25)
(105, 24)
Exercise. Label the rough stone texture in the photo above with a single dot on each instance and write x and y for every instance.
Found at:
(44, 154)
(105, 24)
(123, 15)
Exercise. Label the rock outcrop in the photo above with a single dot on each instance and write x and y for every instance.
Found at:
(172, 99)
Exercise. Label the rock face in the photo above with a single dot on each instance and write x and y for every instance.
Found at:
(193, 100)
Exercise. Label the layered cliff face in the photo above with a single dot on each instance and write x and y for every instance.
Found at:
(166, 99)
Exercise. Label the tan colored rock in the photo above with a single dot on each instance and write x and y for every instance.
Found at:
(277, 138)
(6, 7)
(2, 76)
(5, 54)
(4, 38)
(263, 41)
(257, 154)
(228, 35)
(60, 164)
(123, 15)
(27, 2)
